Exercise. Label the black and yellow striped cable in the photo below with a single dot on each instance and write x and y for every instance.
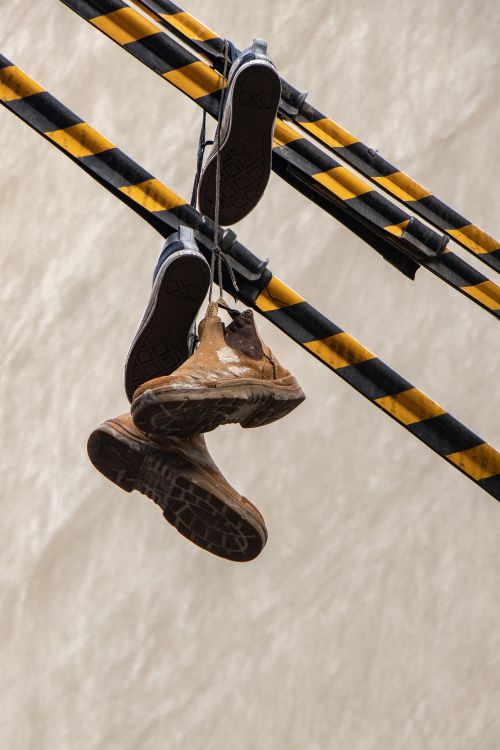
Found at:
(371, 377)
(295, 158)
(91, 151)
(335, 348)
(142, 39)
(338, 140)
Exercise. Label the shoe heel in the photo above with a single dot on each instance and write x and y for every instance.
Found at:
(271, 409)
(115, 460)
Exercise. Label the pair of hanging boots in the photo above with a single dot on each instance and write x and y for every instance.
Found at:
(232, 377)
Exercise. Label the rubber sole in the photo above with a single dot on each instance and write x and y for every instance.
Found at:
(246, 148)
(175, 412)
(161, 342)
(201, 510)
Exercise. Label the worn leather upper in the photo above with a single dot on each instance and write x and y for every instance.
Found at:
(224, 354)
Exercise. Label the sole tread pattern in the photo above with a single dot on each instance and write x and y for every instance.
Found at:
(245, 153)
(167, 414)
(161, 343)
(198, 515)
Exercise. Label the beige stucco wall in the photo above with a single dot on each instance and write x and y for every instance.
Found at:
(371, 619)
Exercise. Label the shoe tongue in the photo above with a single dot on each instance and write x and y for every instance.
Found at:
(243, 319)
(240, 334)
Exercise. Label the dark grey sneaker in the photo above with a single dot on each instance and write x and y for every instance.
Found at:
(246, 136)
(181, 477)
(165, 337)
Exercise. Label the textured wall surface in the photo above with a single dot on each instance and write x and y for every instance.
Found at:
(371, 619)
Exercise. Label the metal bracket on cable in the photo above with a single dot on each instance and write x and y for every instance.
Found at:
(240, 259)
(226, 241)
(292, 101)
(422, 249)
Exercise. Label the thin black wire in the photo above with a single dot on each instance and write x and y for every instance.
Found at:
(202, 144)
(217, 255)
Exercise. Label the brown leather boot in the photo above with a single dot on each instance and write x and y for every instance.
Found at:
(232, 377)
(180, 476)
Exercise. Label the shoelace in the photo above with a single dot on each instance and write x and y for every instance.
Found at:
(218, 256)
